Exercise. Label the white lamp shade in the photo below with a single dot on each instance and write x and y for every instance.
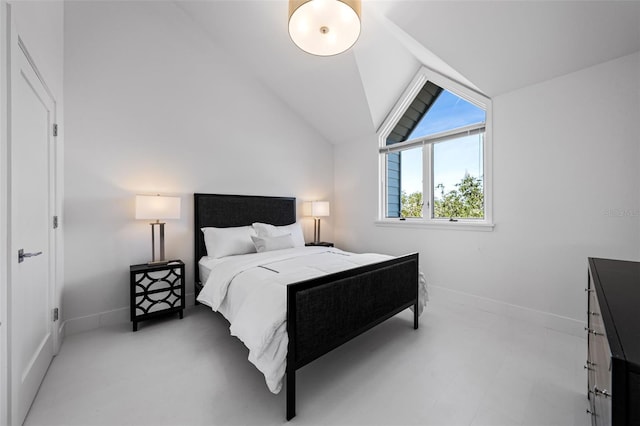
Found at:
(157, 207)
(319, 208)
(324, 27)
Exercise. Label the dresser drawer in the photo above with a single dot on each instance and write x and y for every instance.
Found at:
(598, 363)
(600, 387)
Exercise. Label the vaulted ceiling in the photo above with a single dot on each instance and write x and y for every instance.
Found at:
(491, 46)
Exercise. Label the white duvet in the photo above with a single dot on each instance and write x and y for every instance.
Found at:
(250, 291)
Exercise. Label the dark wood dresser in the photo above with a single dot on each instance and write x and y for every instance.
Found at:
(613, 360)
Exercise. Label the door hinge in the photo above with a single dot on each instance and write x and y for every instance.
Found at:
(55, 129)
(55, 222)
(55, 314)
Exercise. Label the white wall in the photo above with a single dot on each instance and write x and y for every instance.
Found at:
(154, 106)
(40, 25)
(4, 276)
(566, 186)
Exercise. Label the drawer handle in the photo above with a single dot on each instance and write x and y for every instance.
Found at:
(595, 314)
(592, 413)
(591, 331)
(601, 392)
(588, 290)
(586, 367)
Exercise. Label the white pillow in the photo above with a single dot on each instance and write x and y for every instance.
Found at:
(266, 230)
(272, 243)
(295, 230)
(221, 242)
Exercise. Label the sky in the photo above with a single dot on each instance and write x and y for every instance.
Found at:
(451, 158)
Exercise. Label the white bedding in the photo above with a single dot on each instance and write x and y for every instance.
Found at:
(250, 291)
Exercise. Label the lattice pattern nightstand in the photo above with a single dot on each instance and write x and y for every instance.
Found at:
(156, 290)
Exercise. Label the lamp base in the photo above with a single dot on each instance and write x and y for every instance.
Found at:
(316, 230)
(161, 260)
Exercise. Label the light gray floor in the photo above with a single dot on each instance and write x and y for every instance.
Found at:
(462, 367)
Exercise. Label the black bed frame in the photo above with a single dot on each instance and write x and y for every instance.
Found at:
(324, 312)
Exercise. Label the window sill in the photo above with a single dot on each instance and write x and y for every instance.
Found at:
(436, 224)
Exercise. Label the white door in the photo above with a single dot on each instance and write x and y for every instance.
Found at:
(32, 197)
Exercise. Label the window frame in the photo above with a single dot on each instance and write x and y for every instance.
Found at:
(425, 74)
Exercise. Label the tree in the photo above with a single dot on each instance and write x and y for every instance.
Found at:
(465, 201)
(411, 205)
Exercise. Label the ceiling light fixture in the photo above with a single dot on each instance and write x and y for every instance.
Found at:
(324, 27)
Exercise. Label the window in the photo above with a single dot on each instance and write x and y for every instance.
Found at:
(435, 151)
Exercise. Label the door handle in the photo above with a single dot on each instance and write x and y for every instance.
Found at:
(22, 255)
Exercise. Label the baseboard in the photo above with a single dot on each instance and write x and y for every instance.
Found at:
(545, 319)
(61, 331)
(436, 293)
(102, 319)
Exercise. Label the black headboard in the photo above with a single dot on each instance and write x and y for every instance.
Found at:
(223, 211)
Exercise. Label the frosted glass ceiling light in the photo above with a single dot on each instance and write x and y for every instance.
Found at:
(324, 27)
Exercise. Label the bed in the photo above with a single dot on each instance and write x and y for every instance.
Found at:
(322, 312)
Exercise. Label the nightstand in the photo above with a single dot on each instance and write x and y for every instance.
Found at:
(156, 290)
(321, 244)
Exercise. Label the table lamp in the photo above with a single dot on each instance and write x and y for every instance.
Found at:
(318, 209)
(157, 207)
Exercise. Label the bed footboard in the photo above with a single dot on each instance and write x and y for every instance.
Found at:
(325, 312)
